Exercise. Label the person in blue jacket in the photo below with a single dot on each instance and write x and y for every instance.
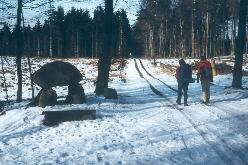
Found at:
(183, 76)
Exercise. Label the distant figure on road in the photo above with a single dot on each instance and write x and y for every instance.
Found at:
(183, 76)
(204, 73)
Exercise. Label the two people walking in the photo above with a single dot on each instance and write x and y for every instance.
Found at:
(184, 77)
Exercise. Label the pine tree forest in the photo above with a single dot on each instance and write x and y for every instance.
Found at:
(164, 28)
(71, 34)
(186, 28)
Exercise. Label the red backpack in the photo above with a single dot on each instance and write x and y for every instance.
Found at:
(206, 71)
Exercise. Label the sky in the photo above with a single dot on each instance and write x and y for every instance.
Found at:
(131, 6)
(31, 16)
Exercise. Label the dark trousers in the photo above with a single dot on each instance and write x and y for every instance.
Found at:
(205, 90)
(182, 90)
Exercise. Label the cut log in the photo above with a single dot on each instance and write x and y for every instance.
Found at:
(56, 117)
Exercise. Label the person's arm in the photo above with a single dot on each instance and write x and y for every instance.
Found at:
(177, 73)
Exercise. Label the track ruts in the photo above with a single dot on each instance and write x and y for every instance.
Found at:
(226, 159)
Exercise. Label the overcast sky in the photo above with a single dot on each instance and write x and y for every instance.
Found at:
(31, 16)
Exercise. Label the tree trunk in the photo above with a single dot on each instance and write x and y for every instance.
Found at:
(146, 46)
(19, 51)
(207, 33)
(105, 58)
(31, 78)
(192, 31)
(151, 43)
(29, 65)
(233, 36)
(237, 72)
(4, 81)
(96, 47)
(160, 40)
(50, 29)
(246, 54)
(50, 41)
(77, 45)
(92, 45)
(38, 46)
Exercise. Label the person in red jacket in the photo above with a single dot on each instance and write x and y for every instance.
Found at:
(204, 73)
(183, 76)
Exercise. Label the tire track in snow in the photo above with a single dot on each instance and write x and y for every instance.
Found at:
(157, 92)
(175, 90)
(172, 120)
(194, 126)
(229, 114)
(228, 120)
(218, 151)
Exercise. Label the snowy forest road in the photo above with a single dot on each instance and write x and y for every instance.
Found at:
(226, 149)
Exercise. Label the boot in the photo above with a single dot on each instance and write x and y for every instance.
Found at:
(185, 103)
(178, 102)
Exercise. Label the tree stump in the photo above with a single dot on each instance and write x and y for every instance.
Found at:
(110, 93)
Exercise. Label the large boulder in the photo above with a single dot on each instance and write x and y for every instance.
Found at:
(47, 97)
(76, 94)
(57, 73)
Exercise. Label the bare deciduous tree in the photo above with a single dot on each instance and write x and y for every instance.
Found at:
(105, 59)
(19, 45)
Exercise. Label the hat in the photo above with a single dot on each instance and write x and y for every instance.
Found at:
(203, 58)
(182, 62)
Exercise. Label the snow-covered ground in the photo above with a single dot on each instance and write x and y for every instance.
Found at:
(138, 128)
